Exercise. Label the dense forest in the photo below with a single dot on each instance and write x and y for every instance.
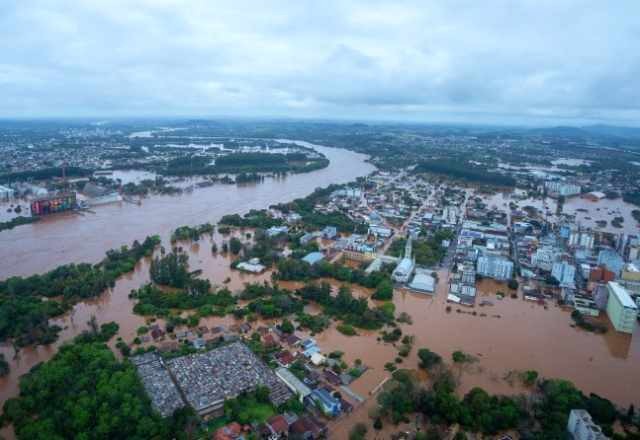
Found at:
(539, 415)
(44, 174)
(17, 221)
(85, 392)
(464, 171)
(237, 163)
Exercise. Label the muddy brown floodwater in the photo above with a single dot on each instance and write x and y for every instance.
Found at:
(57, 240)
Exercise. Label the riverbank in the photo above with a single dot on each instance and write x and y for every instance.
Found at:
(69, 238)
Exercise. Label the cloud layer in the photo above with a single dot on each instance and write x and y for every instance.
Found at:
(449, 60)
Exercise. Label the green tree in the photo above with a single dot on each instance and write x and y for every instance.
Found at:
(287, 326)
(84, 392)
(4, 366)
(235, 245)
(428, 358)
(384, 291)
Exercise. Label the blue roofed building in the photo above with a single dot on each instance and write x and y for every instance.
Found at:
(326, 402)
(313, 257)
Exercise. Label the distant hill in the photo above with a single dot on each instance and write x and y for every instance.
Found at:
(612, 130)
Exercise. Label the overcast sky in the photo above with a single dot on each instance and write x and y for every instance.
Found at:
(511, 61)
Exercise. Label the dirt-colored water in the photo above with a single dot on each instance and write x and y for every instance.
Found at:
(586, 212)
(70, 238)
(524, 336)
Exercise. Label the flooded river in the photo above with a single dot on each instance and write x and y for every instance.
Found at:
(70, 238)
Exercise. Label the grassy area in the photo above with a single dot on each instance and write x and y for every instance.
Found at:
(245, 409)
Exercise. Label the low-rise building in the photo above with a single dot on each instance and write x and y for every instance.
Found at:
(313, 257)
(328, 404)
(423, 282)
(274, 231)
(582, 427)
(296, 386)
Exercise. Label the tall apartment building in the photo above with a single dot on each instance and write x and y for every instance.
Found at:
(585, 239)
(611, 259)
(621, 309)
(495, 267)
(544, 257)
(565, 273)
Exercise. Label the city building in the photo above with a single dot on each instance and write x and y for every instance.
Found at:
(621, 309)
(307, 238)
(380, 231)
(560, 188)
(634, 249)
(6, 193)
(582, 427)
(611, 259)
(328, 404)
(544, 257)
(276, 230)
(565, 273)
(581, 238)
(359, 251)
(403, 271)
(296, 386)
(329, 232)
(313, 257)
(495, 267)
(253, 266)
(423, 282)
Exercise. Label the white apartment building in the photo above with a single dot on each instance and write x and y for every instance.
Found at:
(621, 308)
(565, 273)
(495, 267)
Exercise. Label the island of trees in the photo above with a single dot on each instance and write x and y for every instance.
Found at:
(27, 303)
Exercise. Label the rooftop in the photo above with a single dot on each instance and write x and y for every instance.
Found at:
(622, 295)
(209, 378)
(164, 394)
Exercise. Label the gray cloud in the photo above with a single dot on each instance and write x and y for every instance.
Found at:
(530, 60)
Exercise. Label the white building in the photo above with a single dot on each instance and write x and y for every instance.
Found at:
(6, 193)
(293, 383)
(450, 214)
(544, 257)
(380, 231)
(634, 249)
(423, 282)
(565, 273)
(495, 267)
(583, 239)
(563, 188)
(581, 427)
(276, 230)
(403, 271)
(621, 309)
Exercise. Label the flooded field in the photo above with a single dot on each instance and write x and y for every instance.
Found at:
(587, 213)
